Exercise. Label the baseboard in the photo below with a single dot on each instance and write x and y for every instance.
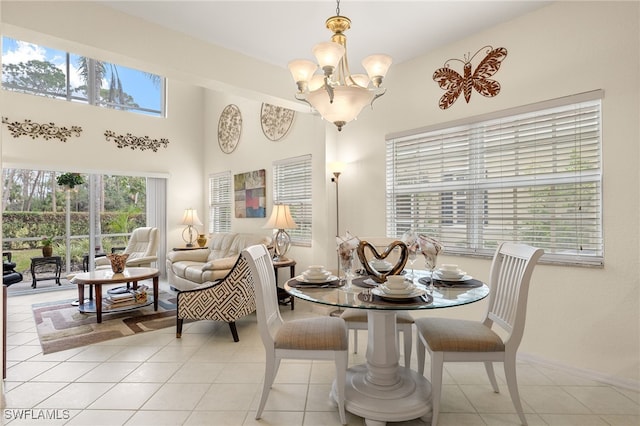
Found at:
(587, 374)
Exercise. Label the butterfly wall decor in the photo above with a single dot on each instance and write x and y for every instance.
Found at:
(454, 83)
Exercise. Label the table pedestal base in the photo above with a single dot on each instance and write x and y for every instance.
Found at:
(381, 391)
(409, 399)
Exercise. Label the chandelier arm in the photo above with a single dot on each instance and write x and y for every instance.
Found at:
(376, 96)
(329, 89)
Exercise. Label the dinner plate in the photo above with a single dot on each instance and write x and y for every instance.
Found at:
(417, 292)
(437, 276)
(329, 279)
(398, 291)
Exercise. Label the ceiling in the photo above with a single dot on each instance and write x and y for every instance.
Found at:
(279, 31)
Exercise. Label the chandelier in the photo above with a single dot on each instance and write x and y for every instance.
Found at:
(336, 94)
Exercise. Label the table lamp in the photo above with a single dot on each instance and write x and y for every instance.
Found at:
(190, 219)
(281, 219)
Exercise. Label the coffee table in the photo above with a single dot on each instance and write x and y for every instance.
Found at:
(106, 276)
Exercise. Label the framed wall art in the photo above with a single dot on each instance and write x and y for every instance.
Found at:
(249, 191)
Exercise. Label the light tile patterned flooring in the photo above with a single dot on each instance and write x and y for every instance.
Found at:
(205, 378)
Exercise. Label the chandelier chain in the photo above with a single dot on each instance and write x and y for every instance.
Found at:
(337, 7)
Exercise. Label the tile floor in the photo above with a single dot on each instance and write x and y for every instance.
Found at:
(206, 379)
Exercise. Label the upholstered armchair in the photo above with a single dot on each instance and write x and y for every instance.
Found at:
(226, 300)
(142, 249)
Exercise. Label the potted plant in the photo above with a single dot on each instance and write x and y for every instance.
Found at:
(47, 246)
(70, 180)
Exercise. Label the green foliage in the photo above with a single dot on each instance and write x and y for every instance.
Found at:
(40, 76)
(70, 179)
(47, 241)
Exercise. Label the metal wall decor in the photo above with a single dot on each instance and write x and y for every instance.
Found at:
(276, 121)
(229, 128)
(36, 130)
(136, 142)
(454, 83)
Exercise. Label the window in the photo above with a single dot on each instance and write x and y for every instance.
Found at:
(531, 176)
(39, 70)
(292, 186)
(220, 202)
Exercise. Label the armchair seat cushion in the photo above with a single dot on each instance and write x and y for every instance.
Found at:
(189, 269)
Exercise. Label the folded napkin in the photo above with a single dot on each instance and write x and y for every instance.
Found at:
(293, 283)
(452, 284)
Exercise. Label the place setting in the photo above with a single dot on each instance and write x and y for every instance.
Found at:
(396, 289)
(451, 276)
(317, 276)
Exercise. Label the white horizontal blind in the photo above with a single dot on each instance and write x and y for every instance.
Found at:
(292, 186)
(220, 202)
(534, 178)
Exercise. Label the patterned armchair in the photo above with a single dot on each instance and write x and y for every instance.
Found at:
(226, 300)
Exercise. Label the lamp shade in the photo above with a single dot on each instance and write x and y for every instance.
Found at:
(191, 218)
(280, 218)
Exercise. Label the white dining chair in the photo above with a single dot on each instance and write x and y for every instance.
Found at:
(357, 319)
(472, 341)
(322, 338)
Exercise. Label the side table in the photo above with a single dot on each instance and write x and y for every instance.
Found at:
(37, 262)
(284, 297)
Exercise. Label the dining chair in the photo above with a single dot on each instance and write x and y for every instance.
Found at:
(457, 340)
(357, 319)
(323, 338)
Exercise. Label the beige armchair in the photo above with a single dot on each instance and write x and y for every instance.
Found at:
(142, 249)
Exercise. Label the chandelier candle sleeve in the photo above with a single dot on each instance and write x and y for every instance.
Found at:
(190, 219)
(336, 94)
(281, 219)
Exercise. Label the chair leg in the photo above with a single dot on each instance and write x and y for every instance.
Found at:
(420, 352)
(270, 370)
(512, 384)
(407, 339)
(355, 340)
(179, 327)
(342, 359)
(492, 376)
(437, 364)
(234, 331)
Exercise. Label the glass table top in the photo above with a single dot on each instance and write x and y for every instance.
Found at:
(441, 297)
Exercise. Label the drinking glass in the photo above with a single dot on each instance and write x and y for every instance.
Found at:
(429, 248)
(346, 264)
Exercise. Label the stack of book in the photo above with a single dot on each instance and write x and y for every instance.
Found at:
(120, 298)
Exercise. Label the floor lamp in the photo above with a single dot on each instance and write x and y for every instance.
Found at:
(337, 168)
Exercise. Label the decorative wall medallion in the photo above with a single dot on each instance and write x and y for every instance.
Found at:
(455, 83)
(276, 121)
(36, 130)
(229, 128)
(136, 142)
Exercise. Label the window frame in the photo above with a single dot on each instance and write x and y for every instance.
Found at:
(220, 201)
(434, 193)
(293, 185)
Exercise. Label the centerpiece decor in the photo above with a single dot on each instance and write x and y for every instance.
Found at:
(396, 269)
(118, 262)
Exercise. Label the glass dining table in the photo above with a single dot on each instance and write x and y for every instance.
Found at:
(381, 390)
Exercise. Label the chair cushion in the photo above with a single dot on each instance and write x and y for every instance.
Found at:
(323, 333)
(360, 315)
(454, 335)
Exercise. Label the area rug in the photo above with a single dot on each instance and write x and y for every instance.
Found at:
(61, 326)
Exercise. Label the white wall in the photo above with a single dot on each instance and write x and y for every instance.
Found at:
(586, 318)
(583, 318)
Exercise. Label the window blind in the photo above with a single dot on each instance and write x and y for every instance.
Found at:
(532, 177)
(292, 186)
(220, 202)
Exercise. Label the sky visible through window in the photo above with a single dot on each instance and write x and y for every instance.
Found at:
(137, 84)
